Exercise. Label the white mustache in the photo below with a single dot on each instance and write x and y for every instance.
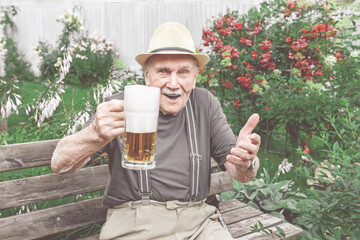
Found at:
(177, 92)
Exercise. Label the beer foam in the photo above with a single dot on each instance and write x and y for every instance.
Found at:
(141, 106)
(140, 98)
(141, 123)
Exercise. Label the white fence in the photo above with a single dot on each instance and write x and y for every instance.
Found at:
(128, 23)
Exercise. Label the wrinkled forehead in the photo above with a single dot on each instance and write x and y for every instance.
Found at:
(168, 60)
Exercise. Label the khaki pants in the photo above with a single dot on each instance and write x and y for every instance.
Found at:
(163, 220)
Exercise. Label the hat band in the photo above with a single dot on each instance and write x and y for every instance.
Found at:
(171, 49)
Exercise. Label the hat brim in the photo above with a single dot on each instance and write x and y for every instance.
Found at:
(202, 59)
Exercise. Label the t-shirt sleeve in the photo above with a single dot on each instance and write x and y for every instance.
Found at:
(222, 136)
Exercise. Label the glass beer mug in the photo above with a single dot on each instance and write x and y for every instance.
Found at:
(141, 108)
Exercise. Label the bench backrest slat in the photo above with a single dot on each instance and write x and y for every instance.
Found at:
(53, 220)
(26, 155)
(29, 190)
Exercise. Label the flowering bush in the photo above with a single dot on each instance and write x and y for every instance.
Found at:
(286, 61)
(92, 56)
(15, 68)
(333, 212)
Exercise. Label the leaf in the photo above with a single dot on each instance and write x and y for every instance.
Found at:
(356, 183)
(269, 205)
(281, 185)
(278, 215)
(280, 231)
(336, 147)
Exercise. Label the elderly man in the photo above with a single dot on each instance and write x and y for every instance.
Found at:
(166, 202)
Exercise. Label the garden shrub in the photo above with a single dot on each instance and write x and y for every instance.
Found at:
(333, 212)
(290, 61)
(92, 56)
(14, 62)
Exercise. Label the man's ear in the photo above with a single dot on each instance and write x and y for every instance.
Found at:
(195, 77)
(147, 81)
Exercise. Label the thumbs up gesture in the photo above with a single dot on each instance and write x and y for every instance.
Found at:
(247, 147)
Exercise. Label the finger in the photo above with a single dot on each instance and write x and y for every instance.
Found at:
(248, 147)
(255, 139)
(237, 161)
(239, 153)
(116, 105)
(249, 126)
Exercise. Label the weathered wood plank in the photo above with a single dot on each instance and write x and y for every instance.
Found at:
(290, 231)
(230, 205)
(221, 182)
(52, 220)
(52, 186)
(240, 214)
(26, 155)
(25, 191)
(243, 227)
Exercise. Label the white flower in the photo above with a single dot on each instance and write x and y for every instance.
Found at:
(80, 56)
(354, 54)
(284, 167)
(330, 60)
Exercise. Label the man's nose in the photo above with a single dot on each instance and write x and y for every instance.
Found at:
(173, 83)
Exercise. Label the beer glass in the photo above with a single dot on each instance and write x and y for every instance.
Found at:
(141, 108)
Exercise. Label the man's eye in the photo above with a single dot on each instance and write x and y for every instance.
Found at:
(162, 71)
(184, 72)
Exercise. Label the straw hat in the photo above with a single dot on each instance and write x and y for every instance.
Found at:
(172, 38)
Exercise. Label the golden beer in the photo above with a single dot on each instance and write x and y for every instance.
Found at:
(140, 147)
(141, 108)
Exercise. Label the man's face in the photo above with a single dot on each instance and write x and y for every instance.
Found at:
(176, 76)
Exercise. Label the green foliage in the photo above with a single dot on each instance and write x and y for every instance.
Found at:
(15, 64)
(269, 195)
(91, 56)
(333, 212)
(258, 227)
(285, 60)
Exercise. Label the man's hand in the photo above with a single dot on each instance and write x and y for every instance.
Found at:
(110, 120)
(247, 146)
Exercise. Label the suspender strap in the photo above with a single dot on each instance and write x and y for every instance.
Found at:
(145, 186)
(194, 156)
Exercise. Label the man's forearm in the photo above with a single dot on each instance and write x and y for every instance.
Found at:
(241, 175)
(74, 151)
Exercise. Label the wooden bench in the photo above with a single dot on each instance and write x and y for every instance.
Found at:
(31, 191)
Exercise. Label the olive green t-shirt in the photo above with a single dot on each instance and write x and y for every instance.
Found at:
(170, 179)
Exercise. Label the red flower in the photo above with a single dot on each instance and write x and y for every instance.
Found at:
(237, 102)
(244, 81)
(234, 66)
(256, 30)
(288, 40)
(245, 41)
(238, 26)
(290, 5)
(226, 32)
(254, 54)
(219, 23)
(227, 85)
(304, 31)
(219, 45)
(265, 45)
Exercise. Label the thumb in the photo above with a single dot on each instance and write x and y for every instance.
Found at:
(249, 126)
